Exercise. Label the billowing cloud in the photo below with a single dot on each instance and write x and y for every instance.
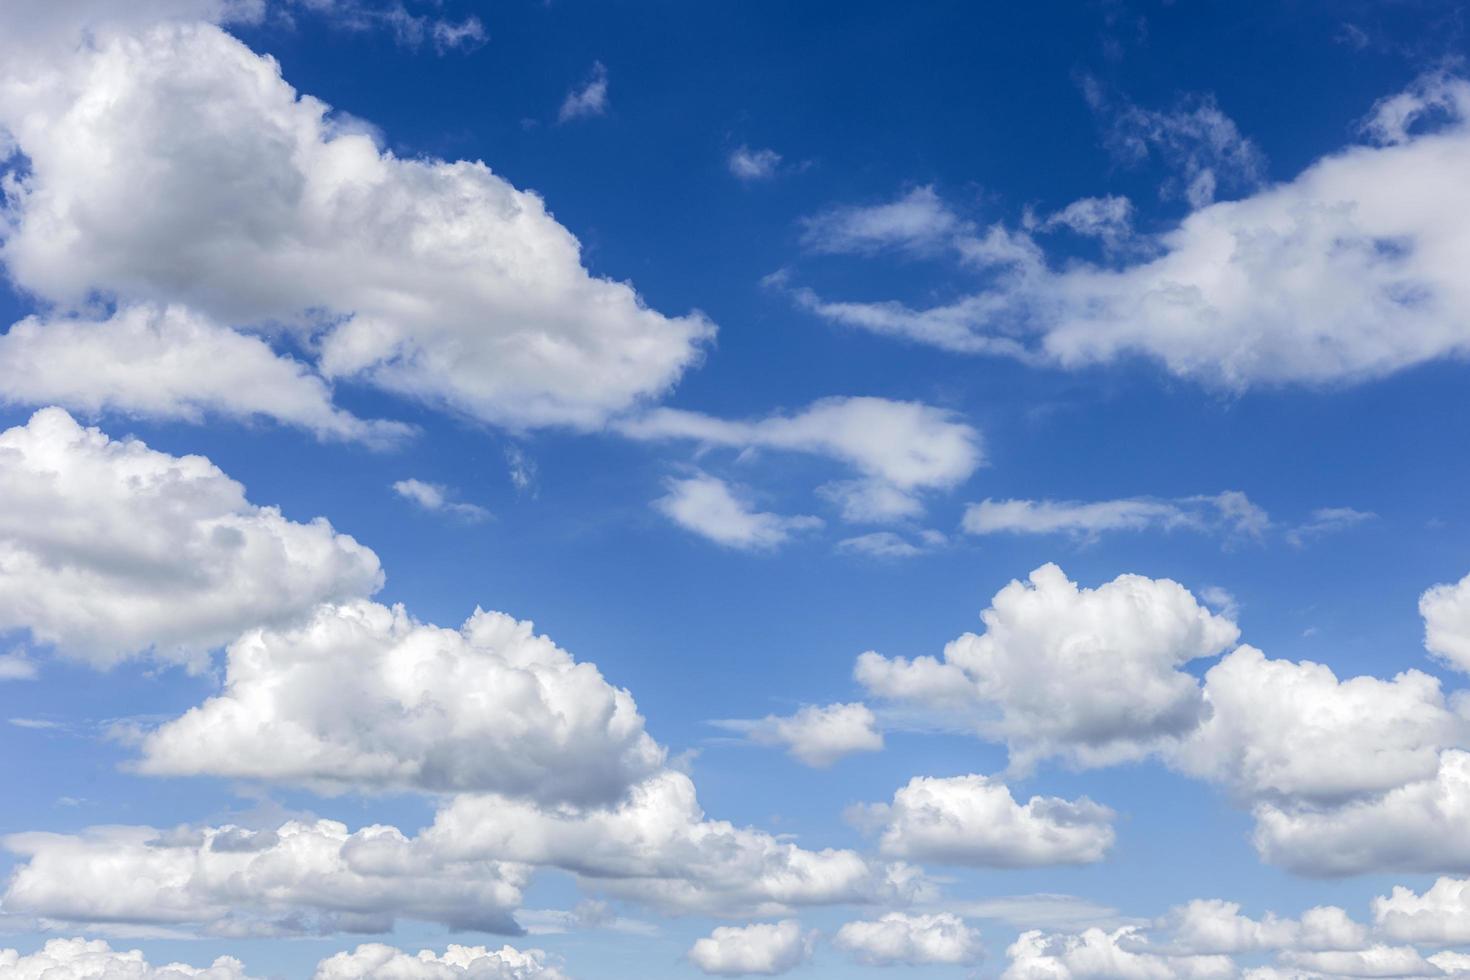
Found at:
(1286, 731)
(79, 959)
(170, 363)
(899, 449)
(764, 948)
(438, 281)
(1095, 953)
(816, 735)
(657, 847)
(1440, 916)
(109, 549)
(365, 696)
(1446, 612)
(301, 877)
(1209, 926)
(708, 506)
(914, 940)
(375, 961)
(975, 820)
(1375, 961)
(1092, 675)
(1346, 272)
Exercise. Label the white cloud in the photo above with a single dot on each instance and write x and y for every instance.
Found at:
(918, 221)
(17, 666)
(1446, 612)
(1293, 733)
(1414, 827)
(1094, 954)
(109, 549)
(1108, 219)
(1376, 961)
(78, 959)
(753, 164)
(974, 820)
(815, 735)
(915, 940)
(899, 448)
(1230, 512)
(765, 948)
(301, 877)
(435, 496)
(1327, 520)
(707, 506)
(1092, 675)
(1440, 916)
(657, 847)
(170, 363)
(365, 696)
(589, 100)
(1208, 926)
(175, 166)
(1348, 271)
(882, 544)
(375, 961)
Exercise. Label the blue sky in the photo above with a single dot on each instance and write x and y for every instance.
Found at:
(1107, 356)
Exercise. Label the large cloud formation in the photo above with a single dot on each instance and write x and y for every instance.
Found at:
(439, 281)
(79, 959)
(365, 696)
(110, 549)
(1350, 270)
(1092, 675)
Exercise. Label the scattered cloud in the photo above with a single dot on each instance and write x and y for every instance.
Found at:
(815, 735)
(762, 948)
(753, 164)
(436, 497)
(912, 940)
(708, 506)
(588, 100)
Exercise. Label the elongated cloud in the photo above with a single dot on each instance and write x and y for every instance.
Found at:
(109, 549)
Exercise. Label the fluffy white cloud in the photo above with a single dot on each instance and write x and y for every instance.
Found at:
(375, 961)
(817, 735)
(1348, 271)
(109, 549)
(975, 820)
(1292, 732)
(435, 496)
(766, 948)
(174, 165)
(1446, 612)
(899, 448)
(301, 877)
(658, 847)
(1414, 827)
(1376, 961)
(364, 695)
(1095, 954)
(1440, 916)
(78, 959)
(1089, 674)
(1207, 926)
(170, 363)
(915, 940)
(707, 506)
(1230, 512)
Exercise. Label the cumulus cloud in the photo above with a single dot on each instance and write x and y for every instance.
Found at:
(1440, 916)
(375, 961)
(435, 280)
(109, 549)
(899, 449)
(365, 696)
(437, 497)
(1293, 733)
(974, 820)
(816, 735)
(170, 363)
(1375, 961)
(1095, 953)
(79, 959)
(708, 506)
(1212, 926)
(1337, 275)
(1446, 612)
(753, 164)
(915, 940)
(657, 847)
(301, 877)
(1228, 513)
(1414, 827)
(1092, 675)
(765, 948)
(589, 99)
